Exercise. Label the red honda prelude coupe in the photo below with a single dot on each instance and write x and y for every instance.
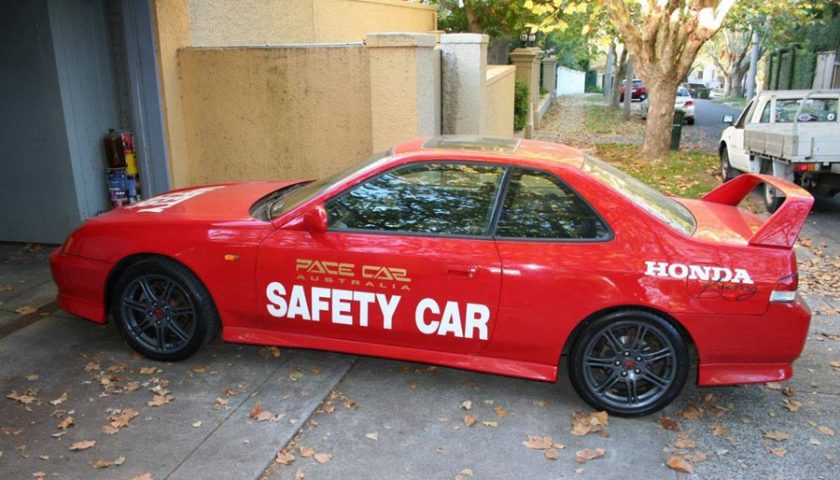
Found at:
(487, 254)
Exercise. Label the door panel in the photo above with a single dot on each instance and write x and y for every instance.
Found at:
(739, 158)
(407, 260)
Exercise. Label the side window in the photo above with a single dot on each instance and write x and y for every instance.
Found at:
(539, 205)
(746, 114)
(430, 198)
(765, 114)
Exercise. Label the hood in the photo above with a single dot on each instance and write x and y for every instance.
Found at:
(220, 202)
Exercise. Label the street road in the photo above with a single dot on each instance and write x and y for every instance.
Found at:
(708, 124)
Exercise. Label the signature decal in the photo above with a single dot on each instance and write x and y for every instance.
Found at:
(731, 292)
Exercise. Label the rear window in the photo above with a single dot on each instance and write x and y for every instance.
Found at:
(814, 110)
(652, 201)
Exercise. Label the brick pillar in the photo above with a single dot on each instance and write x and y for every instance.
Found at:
(464, 89)
(527, 62)
(402, 87)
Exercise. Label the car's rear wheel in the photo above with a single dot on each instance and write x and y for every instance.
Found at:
(162, 310)
(629, 363)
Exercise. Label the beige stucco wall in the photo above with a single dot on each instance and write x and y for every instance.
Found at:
(498, 119)
(195, 23)
(215, 23)
(262, 113)
(343, 21)
(404, 72)
(173, 31)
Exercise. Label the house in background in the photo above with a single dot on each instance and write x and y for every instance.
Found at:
(704, 71)
(218, 91)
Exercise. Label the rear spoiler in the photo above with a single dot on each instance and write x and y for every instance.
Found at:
(783, 227)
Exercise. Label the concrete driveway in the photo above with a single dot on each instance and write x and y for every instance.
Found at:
(377, 418)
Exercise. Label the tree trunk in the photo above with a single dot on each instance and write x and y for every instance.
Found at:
(628, 89)
(615, 98)
(733, 83)
(608, 80)
(660, 117)
(754, 54)
(472, 19)
(736, 88)
(727, 85)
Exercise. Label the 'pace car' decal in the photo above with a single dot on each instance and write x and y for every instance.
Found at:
(697, 272)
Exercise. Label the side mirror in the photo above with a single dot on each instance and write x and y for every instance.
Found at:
(315, 219)
(728, 119)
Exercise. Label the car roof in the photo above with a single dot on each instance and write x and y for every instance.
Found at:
(508, 148)
(797, 93)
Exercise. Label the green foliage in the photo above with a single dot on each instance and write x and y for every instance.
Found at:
(520, 105)
(561, 32)
(683, 173)
(590, 88)
(495, 17)
(603, 120)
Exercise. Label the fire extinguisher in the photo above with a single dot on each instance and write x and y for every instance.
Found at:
(121, 171)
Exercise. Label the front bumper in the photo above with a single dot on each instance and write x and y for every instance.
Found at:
(81, 285)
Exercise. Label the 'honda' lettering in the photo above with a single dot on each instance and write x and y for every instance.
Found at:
(707, 273)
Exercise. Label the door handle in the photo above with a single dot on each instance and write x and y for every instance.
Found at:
(463, 271)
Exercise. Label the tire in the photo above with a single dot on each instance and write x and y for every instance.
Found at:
(772, 201)
(649, 373)
(159, 298)
(726, 169)
(689, 120)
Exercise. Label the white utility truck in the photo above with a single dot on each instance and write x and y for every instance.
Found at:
(790, 134)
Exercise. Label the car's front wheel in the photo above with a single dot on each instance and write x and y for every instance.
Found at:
(629, 363)
(772, 199)
(726, 169)
(162, 310)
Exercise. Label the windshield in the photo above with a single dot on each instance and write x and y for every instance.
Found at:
(669, 211)
(294, 197)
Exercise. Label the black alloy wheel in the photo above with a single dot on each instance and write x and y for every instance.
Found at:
(629, 363)
(163, 311)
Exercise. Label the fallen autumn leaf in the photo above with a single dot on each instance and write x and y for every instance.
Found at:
(679, 463)
(587, 454)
